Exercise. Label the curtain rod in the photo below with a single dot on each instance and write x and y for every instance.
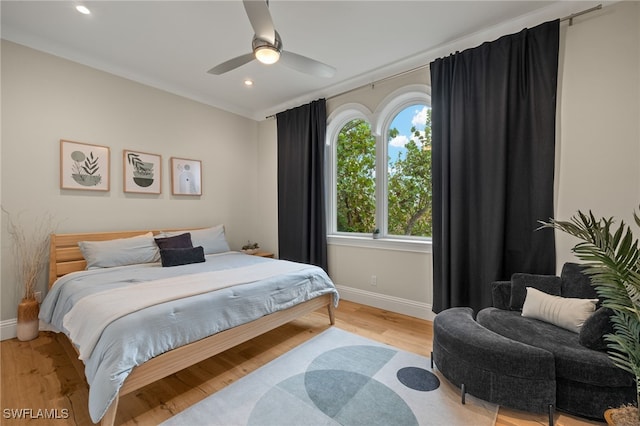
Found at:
(574, 15)
(372, 84)
(400, 74)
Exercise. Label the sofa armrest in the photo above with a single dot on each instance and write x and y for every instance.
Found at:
(501, 294)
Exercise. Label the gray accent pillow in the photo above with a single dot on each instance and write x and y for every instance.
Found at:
(575, 283)
(181, 256)
(549, 284)
(595, 328)
(179, 241)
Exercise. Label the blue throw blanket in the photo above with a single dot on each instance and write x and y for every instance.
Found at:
(137, 337)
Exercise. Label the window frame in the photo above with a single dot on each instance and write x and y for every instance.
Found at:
(380, 121)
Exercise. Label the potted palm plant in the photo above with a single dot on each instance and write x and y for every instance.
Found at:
(30, 257)
(612, 258)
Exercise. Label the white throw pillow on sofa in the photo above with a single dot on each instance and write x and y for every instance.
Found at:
(565, 312)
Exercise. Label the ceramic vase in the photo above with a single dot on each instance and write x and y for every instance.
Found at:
(28, 324)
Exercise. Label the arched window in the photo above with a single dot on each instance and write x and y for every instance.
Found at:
(408, 172)
(380, 168)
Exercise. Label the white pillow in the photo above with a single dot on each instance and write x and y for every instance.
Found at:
(211, 239)
(565, 312)
(120, 252)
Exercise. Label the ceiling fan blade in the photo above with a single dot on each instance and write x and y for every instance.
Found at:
(231, 64)
(306, 65)
(260, 18)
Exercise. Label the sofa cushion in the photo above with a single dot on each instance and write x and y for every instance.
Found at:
(573, 361)
(491, 366)
(575, 283)
(501, 294)
(595, 328)
(549, 284)
(566, 312)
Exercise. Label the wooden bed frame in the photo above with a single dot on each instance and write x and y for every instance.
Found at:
(65, 257)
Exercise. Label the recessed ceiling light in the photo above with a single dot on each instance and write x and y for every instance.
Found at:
(248, 82)
(83, 9)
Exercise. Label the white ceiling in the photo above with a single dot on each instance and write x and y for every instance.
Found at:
(171, 44)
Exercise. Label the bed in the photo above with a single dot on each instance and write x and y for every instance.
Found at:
(129, 328)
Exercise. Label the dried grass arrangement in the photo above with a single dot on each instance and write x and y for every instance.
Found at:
(30, 247)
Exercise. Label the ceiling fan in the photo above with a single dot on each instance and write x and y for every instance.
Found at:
(267, 46)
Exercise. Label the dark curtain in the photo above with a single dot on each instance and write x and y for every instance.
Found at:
(493, 112)
(302, 229)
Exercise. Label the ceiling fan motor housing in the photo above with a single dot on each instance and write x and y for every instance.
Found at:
(258, 43)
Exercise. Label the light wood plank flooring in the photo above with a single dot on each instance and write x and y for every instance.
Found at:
(39, 375)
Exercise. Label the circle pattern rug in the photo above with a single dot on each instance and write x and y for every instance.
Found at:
(339, 378)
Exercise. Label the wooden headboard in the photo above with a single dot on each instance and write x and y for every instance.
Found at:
(65, 255)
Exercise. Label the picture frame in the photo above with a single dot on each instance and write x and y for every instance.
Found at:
(186, 176)
(142, 172)
(84, 166)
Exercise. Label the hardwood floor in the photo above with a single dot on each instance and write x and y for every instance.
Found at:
(39, 375)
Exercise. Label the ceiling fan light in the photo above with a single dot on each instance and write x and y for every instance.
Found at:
(267, 54)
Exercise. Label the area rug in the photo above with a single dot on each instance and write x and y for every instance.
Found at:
(339, 378)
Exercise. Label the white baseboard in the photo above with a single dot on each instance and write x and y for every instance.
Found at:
(8, 329)
(390, 303)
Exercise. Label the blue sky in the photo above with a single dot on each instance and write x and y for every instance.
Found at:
(415, 115)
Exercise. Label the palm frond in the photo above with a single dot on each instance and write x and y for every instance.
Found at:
(612, 260)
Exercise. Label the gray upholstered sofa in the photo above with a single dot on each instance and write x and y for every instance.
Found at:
(528, 364)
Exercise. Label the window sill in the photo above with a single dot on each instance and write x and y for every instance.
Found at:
(420, 246)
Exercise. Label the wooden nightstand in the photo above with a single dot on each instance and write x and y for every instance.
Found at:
(263, 254)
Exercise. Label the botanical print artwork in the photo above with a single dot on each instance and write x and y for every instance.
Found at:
(84, 166)
(85, 169)
(185, 176)
(142, 172)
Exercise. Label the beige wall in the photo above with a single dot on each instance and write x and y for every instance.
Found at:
(598, 151)
(267, 209)
(46, 98)
(599, 111)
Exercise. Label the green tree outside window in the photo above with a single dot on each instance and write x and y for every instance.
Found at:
(409, 181)
(409, 196)
(356, 181)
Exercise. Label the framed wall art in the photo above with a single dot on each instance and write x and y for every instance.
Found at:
(142, 172)
(84, 166)
(186, 176)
